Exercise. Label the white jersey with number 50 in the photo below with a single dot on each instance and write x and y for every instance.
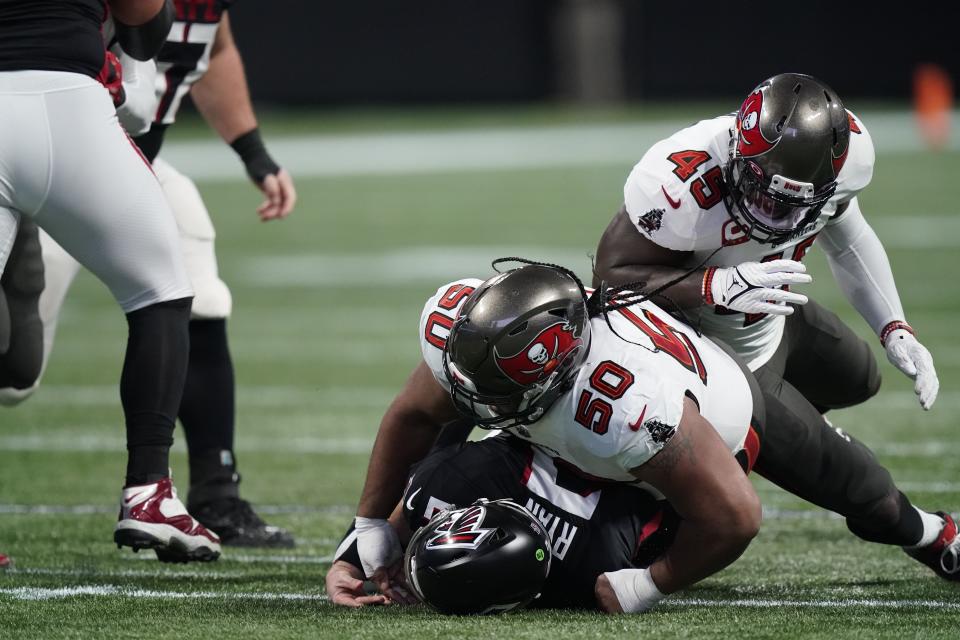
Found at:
(627, 399)
(673, 197)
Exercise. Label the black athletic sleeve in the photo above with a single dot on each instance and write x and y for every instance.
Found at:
(347, 549)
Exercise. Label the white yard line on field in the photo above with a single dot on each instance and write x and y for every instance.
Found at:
(228, 558)
(42, 593)
(209, 574)
(115, 591)
(480, 149)
(871, 603)
(92, 509)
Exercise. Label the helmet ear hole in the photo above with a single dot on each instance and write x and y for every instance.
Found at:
(520, 328)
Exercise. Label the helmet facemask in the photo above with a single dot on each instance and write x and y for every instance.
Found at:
(516, 346)
(790, 142)
(770, 209)
(524, 406)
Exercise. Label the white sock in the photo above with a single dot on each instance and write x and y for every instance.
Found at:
(932, 526)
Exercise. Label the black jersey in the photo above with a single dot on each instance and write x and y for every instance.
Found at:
(594, 527)
(52, 35)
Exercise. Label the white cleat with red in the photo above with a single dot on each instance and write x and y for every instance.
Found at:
(943, 556)
(152, 517)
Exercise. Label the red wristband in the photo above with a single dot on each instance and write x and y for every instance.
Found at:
(706, 288)
(893, 326)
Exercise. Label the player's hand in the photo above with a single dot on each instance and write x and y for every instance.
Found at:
(391, 581)
(605, 595)
(345, 587)
(111, 77)
(377, 545)
(755, 287)
(906, 353)
(281, 196)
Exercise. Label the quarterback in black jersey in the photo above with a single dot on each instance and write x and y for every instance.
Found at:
(594, 527)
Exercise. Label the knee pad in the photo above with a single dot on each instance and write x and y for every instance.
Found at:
(11, 396)
(211, 299)
(211, 296)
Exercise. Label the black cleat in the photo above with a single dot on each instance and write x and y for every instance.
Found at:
(238, 525)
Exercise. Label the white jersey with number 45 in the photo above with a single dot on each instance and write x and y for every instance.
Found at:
(627, 399)
(673, 197)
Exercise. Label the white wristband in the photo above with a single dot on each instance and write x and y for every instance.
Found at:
(635, 589)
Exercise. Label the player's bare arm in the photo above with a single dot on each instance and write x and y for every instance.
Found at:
(625, 255)
(720, 514)
(223, 98)
(407, 431)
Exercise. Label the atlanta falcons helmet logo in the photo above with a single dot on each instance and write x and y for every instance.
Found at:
(461, 529)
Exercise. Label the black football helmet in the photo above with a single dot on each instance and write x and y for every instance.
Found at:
(517, 343)
(791, 140)
(491, 557)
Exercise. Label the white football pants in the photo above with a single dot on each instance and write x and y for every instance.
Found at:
(212, 298)
(66, 162)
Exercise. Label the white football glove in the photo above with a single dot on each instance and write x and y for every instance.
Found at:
(377, 544)
(906, 353)
(754, 287)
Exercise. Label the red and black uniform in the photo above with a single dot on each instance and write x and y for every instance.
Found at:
(594, 527)
(184, 59)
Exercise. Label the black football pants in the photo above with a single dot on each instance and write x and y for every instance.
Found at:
(820, 365)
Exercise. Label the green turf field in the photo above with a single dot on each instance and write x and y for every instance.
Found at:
(324, 331)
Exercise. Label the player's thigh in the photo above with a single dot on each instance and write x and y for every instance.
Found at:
(212, 298)
(827, 362)
(803, 454)
(105, 207)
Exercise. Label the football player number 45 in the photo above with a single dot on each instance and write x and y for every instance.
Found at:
(705, 189)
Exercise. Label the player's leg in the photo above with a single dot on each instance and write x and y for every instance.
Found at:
(804, 455)
(826, 361)
(105, 207)
(207, 410)
(21, 284)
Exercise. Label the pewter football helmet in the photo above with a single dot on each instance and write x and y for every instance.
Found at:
(791, 140)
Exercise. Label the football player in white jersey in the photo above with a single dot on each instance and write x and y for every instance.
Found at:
(620, 393)
(719, 216)
(617, 389)
(199, 57)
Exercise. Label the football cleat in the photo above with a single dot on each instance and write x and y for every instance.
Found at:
(5, 561)
(238, 525)
(152, 517)
(943, 555)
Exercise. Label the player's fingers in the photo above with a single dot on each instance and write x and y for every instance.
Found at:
(790, 297)
(775, 309)
(289, 193)
(790, 266)
(274, 198)
(786, 277)
(374, 600)
(344, 599)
